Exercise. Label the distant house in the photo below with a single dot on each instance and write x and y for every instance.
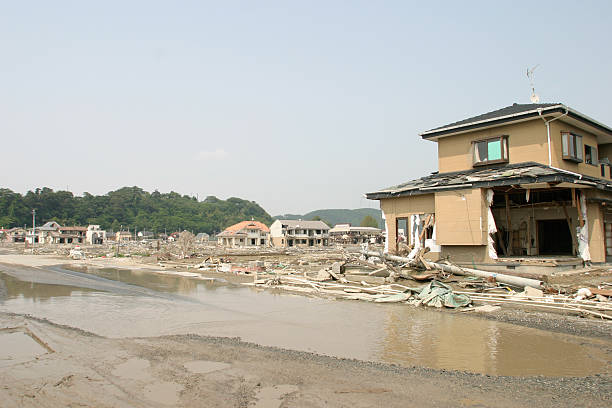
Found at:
(53, 233)
(14, 234)
(47, 232)
(202, 237)
(245, 234)
(95, 235)
(142, 235)
(123, 236)
(346, 234)
(294, 233)
(71, 235)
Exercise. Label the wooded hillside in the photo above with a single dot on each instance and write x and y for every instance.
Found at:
(130, 207)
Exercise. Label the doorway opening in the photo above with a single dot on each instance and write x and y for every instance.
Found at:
(554, 237)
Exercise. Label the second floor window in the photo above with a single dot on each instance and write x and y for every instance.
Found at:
(572, 147)
(490, 151)
(590, 155)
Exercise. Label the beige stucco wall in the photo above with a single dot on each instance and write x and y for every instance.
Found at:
(461, 217)
(403, 207)
(466, 253)
(596, 233)
(556, 128)
(527, 141)
(277, 241)
(605, 150)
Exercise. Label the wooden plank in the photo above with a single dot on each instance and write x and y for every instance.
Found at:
(579, 207)
(509, 226)
(572, 232)
(424, 227)
(603, 292)
(501, 243)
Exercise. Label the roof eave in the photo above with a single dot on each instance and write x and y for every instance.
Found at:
(527, 115)
(554, 178)
(449, 130)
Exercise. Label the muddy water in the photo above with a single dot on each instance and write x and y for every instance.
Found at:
(393, 333)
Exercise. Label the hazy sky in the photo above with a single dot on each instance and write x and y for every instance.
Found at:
(297, 105)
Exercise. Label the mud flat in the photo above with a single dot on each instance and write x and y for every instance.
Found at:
(83, 369)
(128, 337)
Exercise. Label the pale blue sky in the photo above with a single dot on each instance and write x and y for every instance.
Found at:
(295, 105)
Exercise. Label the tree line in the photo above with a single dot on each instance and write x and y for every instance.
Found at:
(127, 207)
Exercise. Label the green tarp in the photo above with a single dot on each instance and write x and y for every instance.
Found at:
(438, 294)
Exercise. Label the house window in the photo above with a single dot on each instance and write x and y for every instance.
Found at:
(603, 170)
(590, 155)
(490, 151)
(572, 147)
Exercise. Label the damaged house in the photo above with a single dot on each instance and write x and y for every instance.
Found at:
(347, 234)
(245, 234)
(529, 183)
(299, 233)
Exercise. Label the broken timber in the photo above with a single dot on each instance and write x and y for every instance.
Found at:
(507, 279)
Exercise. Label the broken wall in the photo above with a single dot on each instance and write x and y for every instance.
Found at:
(597, 246)
(524, 222)
(404, 207)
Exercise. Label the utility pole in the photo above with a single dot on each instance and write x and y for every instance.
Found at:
(33, 225)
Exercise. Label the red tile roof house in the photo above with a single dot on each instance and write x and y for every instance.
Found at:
(245, 234)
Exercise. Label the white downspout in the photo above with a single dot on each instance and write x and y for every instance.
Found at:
(547, 122)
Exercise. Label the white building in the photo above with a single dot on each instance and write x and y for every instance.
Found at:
(298, 233)
(95, 235)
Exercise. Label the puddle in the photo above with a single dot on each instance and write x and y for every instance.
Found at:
(133, 369)
(18, 347)
(272, 397)
(391, 333)
(166, 393)
(203, 366)
(11, 287)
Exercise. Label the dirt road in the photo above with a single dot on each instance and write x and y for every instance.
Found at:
(193, 371)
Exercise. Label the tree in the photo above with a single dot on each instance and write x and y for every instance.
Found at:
(369, 221)
(185, 242)
(317, 218)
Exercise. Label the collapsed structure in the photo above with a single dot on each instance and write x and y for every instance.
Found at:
(347, 234)
(523, 181)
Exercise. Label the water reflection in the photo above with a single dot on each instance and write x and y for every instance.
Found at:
(444, 340)
(11, 287)
(155, 281)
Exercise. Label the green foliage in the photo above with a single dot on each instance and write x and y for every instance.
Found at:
(337, 216)
(130, 207)
(369, 221)
(317, 218)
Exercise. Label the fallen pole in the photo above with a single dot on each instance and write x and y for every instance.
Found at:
(455, 270)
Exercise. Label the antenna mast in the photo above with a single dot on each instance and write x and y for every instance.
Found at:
(535, 98)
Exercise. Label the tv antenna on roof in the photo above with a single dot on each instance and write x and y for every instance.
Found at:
(535, 98)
